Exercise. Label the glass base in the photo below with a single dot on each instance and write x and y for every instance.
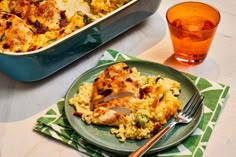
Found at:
(190, 61)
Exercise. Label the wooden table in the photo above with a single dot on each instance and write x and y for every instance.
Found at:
(22, 103)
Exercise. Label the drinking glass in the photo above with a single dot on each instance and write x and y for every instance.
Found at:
(192, 26)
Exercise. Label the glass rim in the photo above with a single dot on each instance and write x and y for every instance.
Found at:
(174, 5)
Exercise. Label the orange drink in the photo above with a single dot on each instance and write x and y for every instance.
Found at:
(192, 26)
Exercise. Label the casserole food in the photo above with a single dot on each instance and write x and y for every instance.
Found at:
(28, 25)
(40, 63)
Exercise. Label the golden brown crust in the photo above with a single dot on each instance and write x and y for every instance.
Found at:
(43, 15)
(15, 34)
(118, 80)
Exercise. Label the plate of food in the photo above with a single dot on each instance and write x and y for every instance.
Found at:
(119, 106)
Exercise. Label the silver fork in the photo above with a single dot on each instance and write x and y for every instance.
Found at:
(185, 116)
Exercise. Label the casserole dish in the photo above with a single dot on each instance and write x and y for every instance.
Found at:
(38, 64)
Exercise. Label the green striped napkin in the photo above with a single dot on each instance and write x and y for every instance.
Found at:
(55, 125)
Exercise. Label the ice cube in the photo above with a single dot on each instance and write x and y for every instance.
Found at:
(207, 25)
(177, 23)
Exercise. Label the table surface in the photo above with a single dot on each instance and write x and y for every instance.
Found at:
(22, 103)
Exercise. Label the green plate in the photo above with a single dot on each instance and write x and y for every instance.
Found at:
(100, 135)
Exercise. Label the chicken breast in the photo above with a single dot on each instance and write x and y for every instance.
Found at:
(15, 34)
(43, 15)
(105, 116)
(116, 81)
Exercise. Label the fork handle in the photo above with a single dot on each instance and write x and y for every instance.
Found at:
(141, 150)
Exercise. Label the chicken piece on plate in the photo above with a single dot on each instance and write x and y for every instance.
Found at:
(116, 81)
(120, 105)
(105, 116)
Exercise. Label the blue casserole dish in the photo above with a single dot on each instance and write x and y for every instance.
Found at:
(39, 64)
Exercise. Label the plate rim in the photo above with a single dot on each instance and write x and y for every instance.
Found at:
(116, 150)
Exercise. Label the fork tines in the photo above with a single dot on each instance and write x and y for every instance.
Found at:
(193, 105)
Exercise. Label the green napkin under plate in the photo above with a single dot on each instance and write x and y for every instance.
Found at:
(55, 124)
